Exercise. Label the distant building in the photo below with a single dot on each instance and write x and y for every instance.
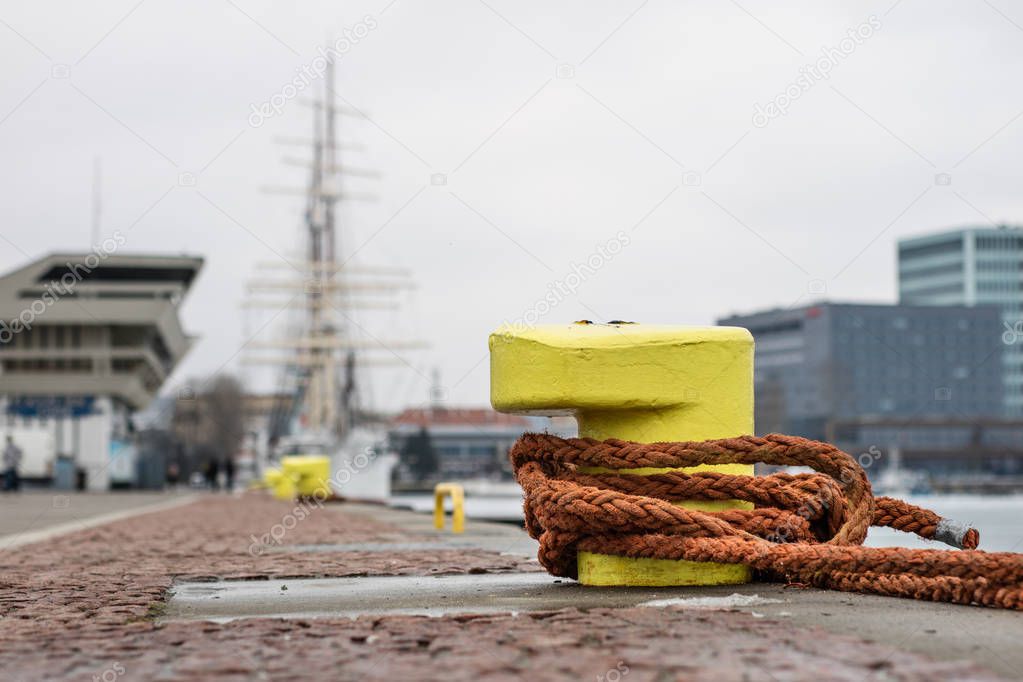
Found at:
(469, 442)
(925, 379)
(973, 266)
(86, 339)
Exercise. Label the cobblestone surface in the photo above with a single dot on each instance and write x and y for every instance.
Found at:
(82, 607)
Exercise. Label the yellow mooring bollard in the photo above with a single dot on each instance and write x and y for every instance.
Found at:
(637, 382)
(310, 474)
(442, 490)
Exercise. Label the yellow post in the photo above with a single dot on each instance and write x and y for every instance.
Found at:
(637, 382)
(457, 494)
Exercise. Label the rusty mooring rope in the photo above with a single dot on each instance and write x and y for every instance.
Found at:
(805, 528)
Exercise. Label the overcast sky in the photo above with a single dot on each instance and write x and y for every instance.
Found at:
(559, 127)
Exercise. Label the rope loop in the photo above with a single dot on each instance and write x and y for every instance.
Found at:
(806, 528)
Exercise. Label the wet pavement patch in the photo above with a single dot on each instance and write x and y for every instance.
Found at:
(409, 595)
(372, 547)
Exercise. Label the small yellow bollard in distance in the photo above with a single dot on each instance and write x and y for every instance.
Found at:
(274, 480)
(310, 473)
(442, 490)
(645, 383)
(283, 487)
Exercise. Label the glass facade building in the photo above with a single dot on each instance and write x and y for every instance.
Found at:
(973, 266)
(850, 372)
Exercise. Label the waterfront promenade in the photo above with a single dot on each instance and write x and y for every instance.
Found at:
(221, 587)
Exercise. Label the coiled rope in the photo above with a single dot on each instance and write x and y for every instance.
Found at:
(805, 529)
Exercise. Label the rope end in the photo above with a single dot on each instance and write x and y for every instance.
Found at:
(956, 534)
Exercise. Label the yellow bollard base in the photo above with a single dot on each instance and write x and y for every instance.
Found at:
(606, 570)
(609, 570)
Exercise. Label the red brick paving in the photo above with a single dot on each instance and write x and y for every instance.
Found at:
(103, 574)
(82, 607)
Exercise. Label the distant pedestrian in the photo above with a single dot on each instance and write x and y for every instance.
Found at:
(12, 460)
(229, 474)
(173, 474)
(212, 471)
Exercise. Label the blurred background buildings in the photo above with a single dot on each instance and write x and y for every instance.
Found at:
(973, 266)
(87, 340)
(933, 381)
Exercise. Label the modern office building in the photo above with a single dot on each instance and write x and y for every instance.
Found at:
(973, 266)
(86, 339)
(923, 379)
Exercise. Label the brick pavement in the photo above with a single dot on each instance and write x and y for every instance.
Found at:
(85, 606)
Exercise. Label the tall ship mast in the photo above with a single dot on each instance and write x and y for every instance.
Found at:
(318, 408)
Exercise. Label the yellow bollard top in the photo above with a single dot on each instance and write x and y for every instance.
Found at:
(632, 379)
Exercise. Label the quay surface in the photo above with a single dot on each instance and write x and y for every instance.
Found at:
(226, 588)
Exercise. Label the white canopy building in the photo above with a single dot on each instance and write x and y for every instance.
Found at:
(85, 340)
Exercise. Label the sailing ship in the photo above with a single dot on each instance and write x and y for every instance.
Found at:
(319, 362)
